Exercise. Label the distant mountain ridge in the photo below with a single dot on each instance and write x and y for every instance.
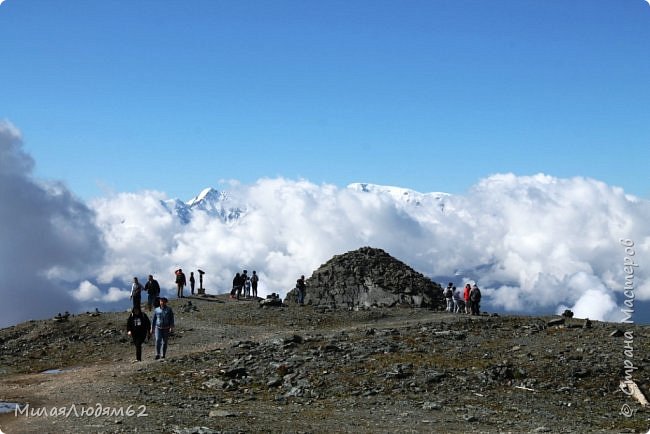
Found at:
(222, 205)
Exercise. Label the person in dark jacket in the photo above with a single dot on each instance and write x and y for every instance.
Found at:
(181, 282)
(301, 286)
(236, 282)
(243, 278)
(153, 289)
(138, 327)
(475, 300)
(192, 282)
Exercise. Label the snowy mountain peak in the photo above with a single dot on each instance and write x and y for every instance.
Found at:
(207, 195)
(211, 201)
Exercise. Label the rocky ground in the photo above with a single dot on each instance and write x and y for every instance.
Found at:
(233, 367)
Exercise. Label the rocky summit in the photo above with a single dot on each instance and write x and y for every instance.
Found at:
(369, 277)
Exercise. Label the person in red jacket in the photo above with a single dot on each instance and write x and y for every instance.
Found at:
(468, 288)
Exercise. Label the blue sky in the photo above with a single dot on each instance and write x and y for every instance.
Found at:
(117, 96)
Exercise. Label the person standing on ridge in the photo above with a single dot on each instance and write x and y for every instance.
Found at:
(235, 282)
(449, 297)
(243, 278)
(301, 286)
(459, 303)
(468, 288)
(136, 293)
(180, 283)
(475, 300)
(192, 281)
(254, 279)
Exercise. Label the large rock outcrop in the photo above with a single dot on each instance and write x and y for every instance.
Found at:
(369, 277)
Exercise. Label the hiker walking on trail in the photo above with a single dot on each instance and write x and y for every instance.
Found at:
(162, 325)
(138, 327)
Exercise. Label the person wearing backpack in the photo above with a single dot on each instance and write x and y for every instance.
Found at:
(475, 300)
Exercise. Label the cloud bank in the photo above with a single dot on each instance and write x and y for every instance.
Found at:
(535, 244)
(48, 238)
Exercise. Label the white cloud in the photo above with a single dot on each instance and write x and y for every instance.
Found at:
(88, 292)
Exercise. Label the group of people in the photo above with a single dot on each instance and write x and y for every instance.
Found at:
(138, 325)
(469, 301)
(243, 283)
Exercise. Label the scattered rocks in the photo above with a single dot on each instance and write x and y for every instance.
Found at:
(222, 413)
(271, 300)
(428, 405)
(189, 307)
(60, 318)
(194, 430)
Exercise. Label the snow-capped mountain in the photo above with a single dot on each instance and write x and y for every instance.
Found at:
(213, 202)
(405, 196)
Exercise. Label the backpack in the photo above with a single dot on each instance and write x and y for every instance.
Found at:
(475, 295)
(448, 293)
